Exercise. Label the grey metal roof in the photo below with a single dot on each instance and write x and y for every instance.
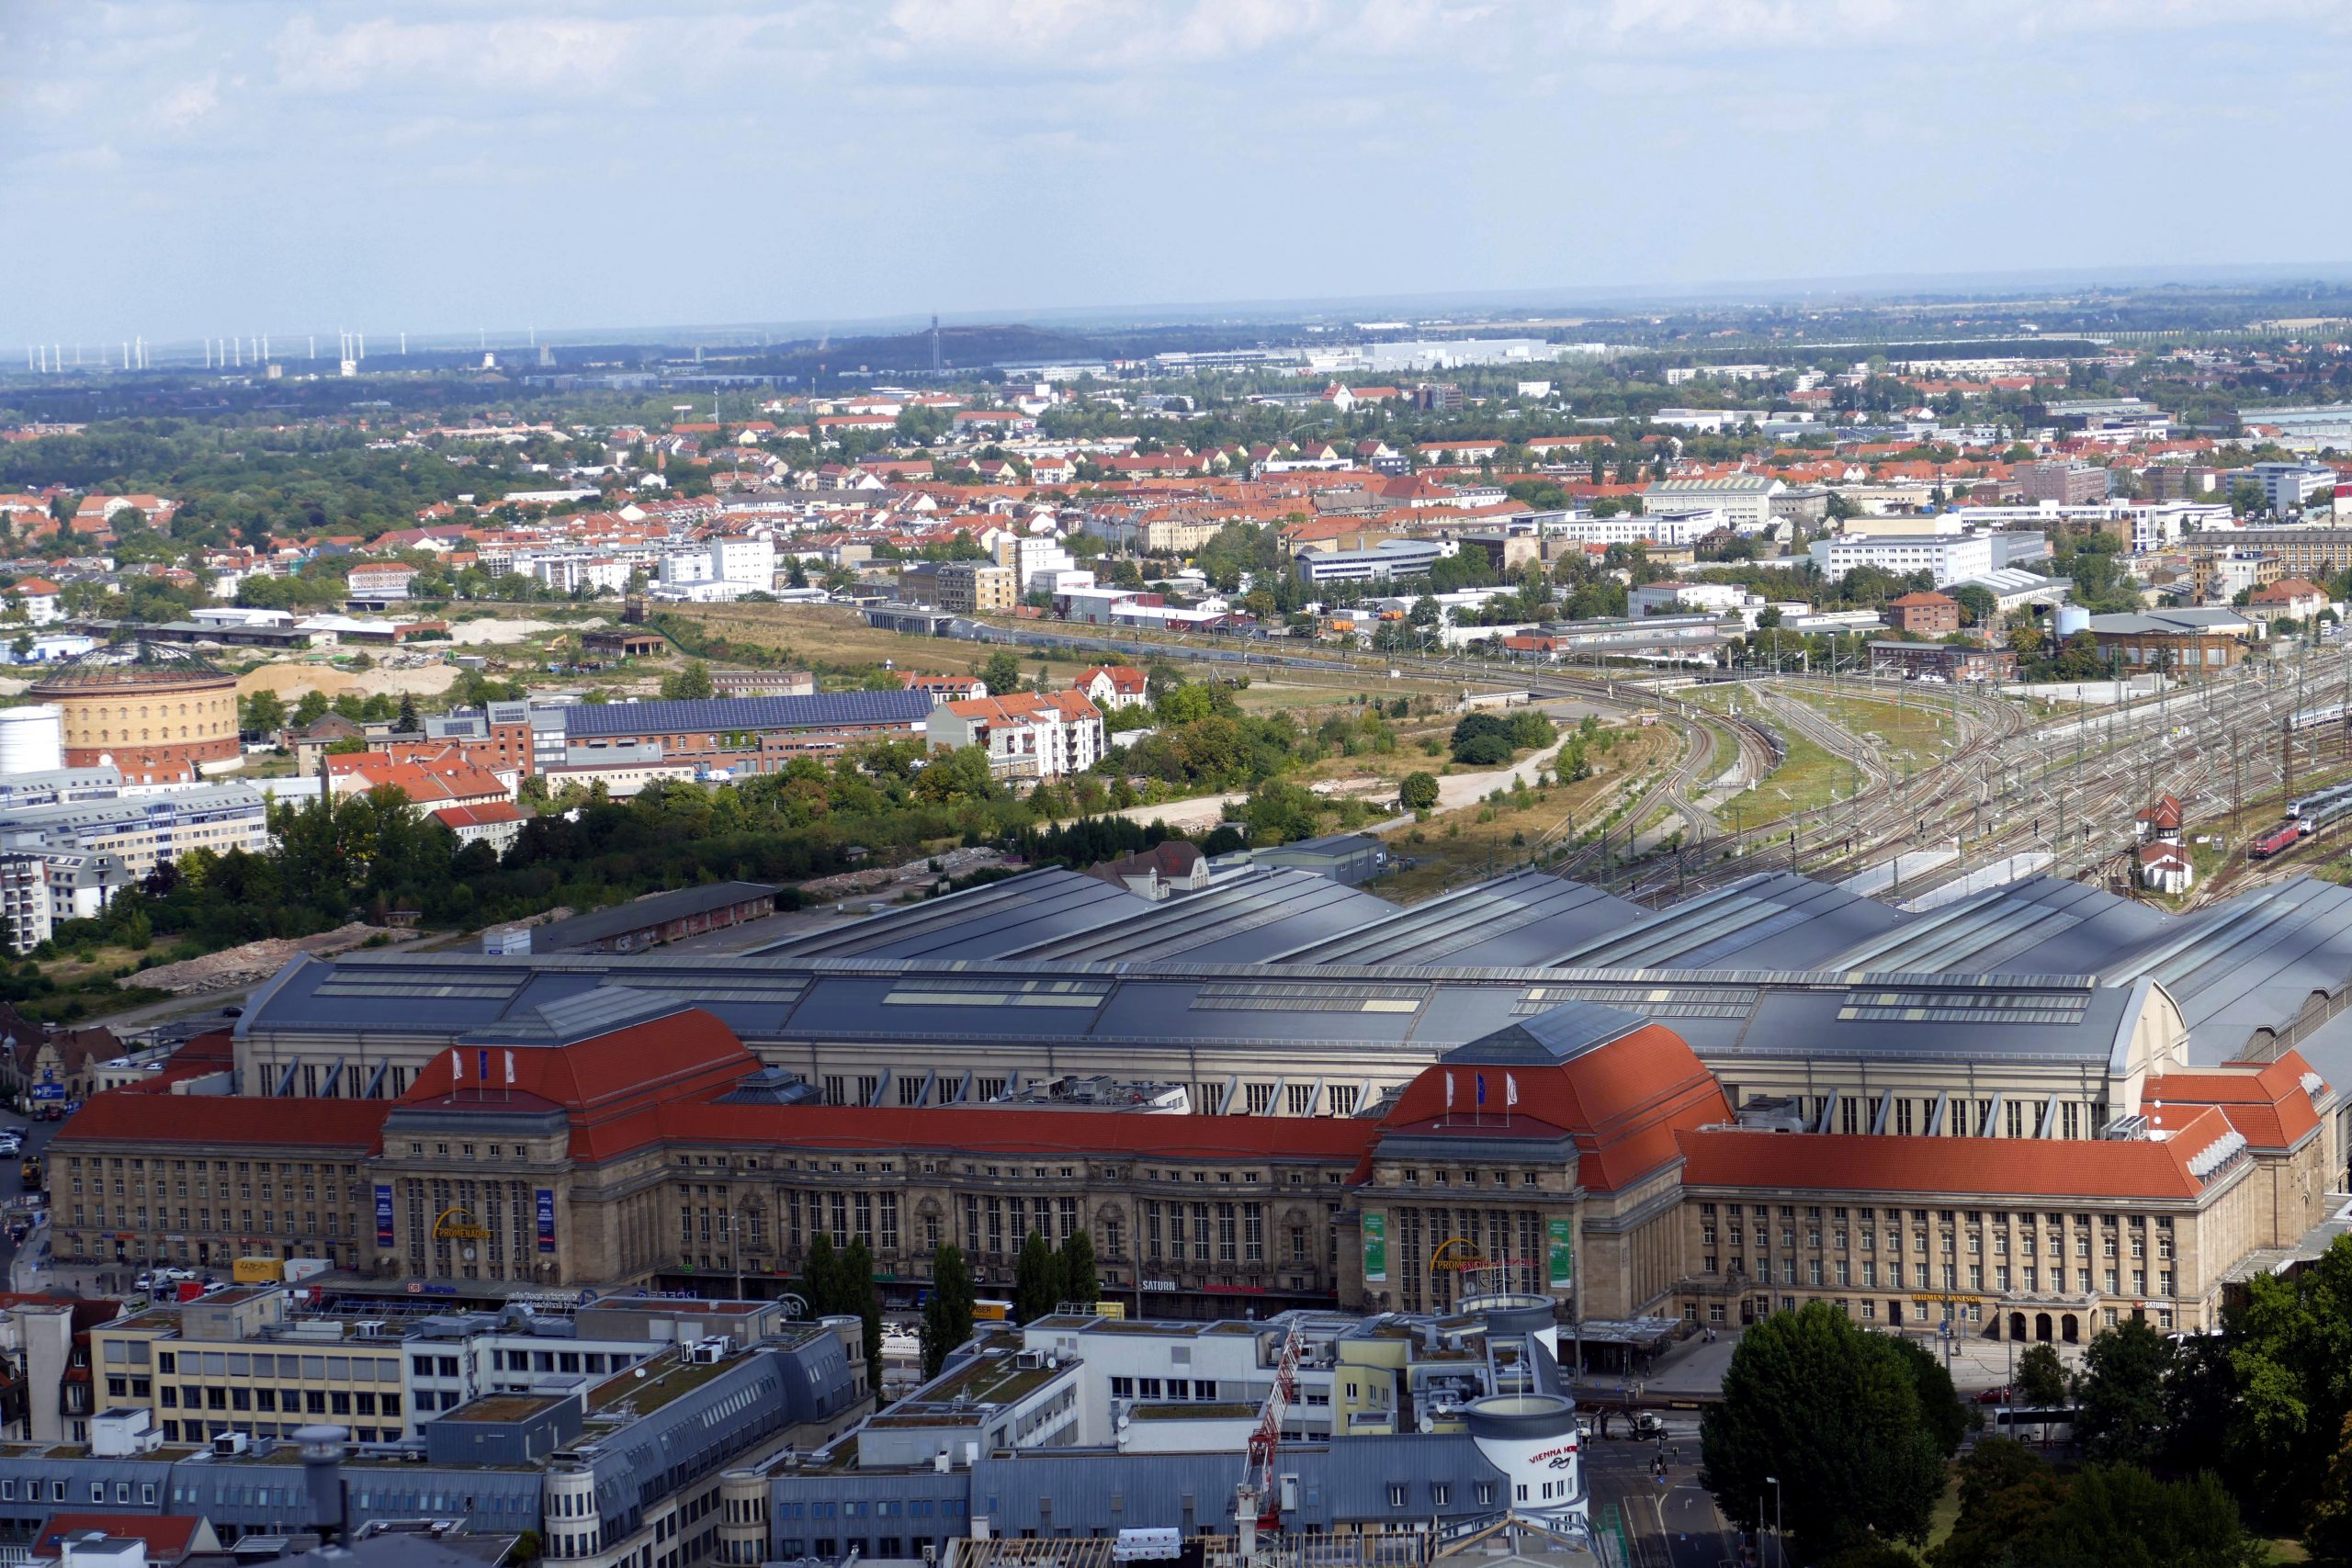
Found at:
(1777, 920)
(1235, 919)
(824, 710)
(2249, 964)
(1560, 1034)
(1777, 965)
(658, 909)
(987, 921)
(2041, 926)
(582, 1015)
(1529, 917)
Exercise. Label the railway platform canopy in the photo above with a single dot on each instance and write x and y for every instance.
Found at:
(2036, 1010)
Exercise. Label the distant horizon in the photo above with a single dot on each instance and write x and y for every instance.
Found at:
(1928, 290)
(191, 169)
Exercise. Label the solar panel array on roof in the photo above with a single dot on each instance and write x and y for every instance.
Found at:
(1530, 916)
(990, 921)
(823, 710)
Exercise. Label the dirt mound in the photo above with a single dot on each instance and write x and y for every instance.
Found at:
(255, 961)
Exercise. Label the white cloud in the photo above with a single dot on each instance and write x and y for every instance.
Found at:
(184, 106)
(522, 54)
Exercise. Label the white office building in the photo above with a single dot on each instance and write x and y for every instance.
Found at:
(1745, 499)
(1948, 557)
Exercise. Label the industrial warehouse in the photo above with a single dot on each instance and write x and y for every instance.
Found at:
(2033, 1112)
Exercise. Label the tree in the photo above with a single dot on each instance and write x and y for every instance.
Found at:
(2016, 1512)
(1080, 1283)
(2120, 1394)
(1419, 792)
(1278, 813)
(1834, 1414)
(2290, 1369)
(2042, 1381)
(1531, 729)
(1480, 741)
(947, 1310)
(688, 683)
(1001, 674)
(1978, 601)
(1940, 1405)
(858, 1296)
(821, 1276)
(265, 713)
(1036, 1282)
(408, 723)
(311, 707)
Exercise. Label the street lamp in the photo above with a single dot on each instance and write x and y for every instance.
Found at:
(1779, 1539)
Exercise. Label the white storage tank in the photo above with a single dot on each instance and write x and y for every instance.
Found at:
(32, 740)
(2072, 618)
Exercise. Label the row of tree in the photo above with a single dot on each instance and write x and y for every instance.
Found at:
(2192, 1443)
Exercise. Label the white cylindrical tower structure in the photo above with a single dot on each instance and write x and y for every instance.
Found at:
(2072, 618)
(1531, 1438)
(32, 740)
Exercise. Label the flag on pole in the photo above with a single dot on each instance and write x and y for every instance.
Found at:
(1449, 1092)
(1510, 1086)
(457, 1065)
(1482, 1090)
(510, 1069)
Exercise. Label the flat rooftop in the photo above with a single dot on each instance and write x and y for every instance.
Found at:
(647, 1388)
(505, 1407)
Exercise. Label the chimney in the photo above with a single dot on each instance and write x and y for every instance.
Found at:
(321, 1448)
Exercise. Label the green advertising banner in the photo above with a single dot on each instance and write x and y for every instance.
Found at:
(1375, 1248)
(1563, 1254)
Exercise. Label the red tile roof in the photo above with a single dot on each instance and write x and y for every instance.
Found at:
(1624, 1102)
(2021, 1167)
(2265, 1101)
(1015, 1131)
(169, 1537)
(128, 1116)
(486, 814)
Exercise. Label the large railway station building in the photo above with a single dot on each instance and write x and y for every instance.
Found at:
(2032, 1112)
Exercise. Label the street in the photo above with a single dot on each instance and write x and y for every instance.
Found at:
(1668, 1525)
(37, 1136)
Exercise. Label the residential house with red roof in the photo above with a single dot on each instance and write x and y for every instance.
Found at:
(1031, 735)
(1113, 686)
(37, 596)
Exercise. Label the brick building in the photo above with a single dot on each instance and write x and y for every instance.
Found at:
(1925, 613)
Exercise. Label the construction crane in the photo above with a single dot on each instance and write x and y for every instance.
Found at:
(1258, 1501)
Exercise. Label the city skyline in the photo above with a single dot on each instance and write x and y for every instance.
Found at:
(269, 167)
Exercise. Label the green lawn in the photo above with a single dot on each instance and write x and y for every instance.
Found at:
(1807, 778)
(1911, 735)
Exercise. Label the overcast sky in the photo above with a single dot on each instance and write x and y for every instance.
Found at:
(183, 167)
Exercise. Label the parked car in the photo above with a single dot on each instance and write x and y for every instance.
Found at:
(1995, 1396)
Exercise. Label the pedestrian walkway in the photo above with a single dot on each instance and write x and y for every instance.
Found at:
(1696, 1366)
